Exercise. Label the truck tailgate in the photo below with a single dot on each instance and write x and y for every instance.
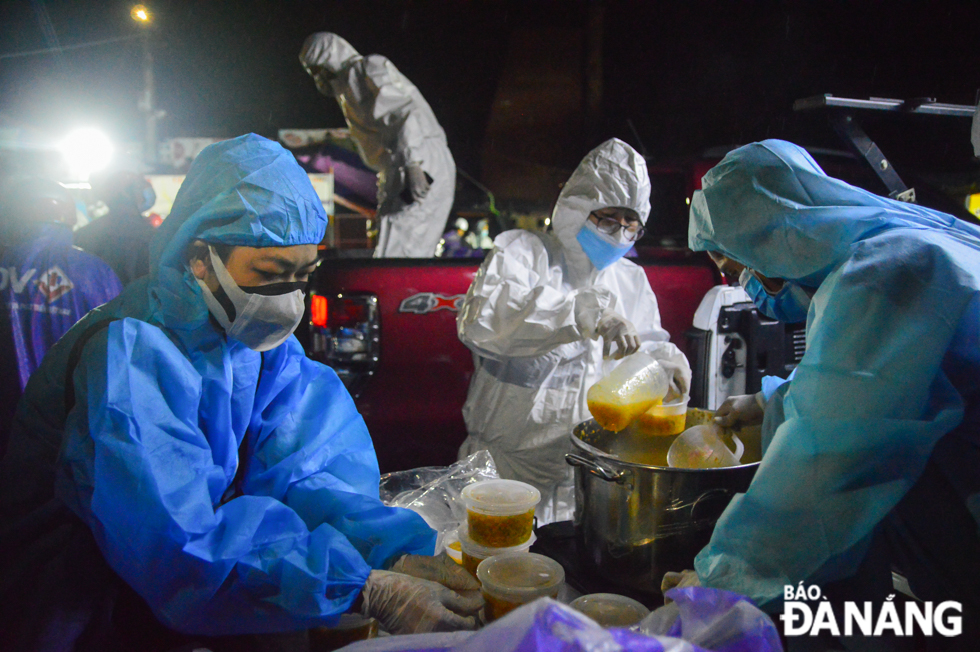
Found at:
(413, 404)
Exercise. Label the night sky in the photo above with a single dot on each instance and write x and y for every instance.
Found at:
(688, 74)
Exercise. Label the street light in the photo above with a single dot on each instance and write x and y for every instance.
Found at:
(140, 14)
(143, 17)
(86, 150)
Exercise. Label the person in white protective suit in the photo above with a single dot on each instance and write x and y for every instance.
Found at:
(536, 311)
(397, 135)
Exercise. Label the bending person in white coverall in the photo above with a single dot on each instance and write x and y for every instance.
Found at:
(397, 135)
(534, 316)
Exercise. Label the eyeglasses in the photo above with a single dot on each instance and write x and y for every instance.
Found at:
(611, 226)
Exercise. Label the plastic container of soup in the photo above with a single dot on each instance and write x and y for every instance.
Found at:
(500, 513)
(610, 609)
(632, 388)
(513, 579)
(454, 547)
(662, 420)
(473, 553)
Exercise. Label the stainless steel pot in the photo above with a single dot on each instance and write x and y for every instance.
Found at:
(637, 521)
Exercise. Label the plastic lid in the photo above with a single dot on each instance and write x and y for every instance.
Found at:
(474, 549)
(610, 610)
(521, 576)
(678, 407)
(500, 497)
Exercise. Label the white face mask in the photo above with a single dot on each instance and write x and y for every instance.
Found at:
(262, 317)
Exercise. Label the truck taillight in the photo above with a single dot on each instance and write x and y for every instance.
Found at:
(345, 334)
(349, 312)
(318, 310)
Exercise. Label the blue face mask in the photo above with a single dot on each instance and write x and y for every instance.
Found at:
(790, 305)
(147, 198)
(601, 248)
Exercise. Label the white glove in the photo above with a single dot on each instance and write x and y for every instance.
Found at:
(679, 370)
(739, 411)
(441, 569)
(613, 327)
(408, 605)
(418, 185)
(680, 580)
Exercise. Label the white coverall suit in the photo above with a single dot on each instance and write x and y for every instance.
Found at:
(393, 127)
(530, 318)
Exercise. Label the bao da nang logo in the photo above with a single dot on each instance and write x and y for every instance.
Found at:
(806, 612)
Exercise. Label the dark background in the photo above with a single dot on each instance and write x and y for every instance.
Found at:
(689, 75)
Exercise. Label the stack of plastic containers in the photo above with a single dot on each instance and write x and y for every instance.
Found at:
(499, 524)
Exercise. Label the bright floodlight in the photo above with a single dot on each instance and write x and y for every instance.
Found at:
(86, 151)
(140, 14)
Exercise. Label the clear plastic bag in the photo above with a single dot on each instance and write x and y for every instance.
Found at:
(703, 620)
(433, 492)
(541, 626)
(713, 619)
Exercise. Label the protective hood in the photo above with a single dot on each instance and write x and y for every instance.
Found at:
(769, 206)
(613, 174)
(327, 50)
(247, 191)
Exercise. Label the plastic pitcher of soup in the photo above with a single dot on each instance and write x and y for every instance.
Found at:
(633, 387)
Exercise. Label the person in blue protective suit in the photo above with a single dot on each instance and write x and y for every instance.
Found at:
(46, 284)
(777, 299)
(179, 467)
(871, 453)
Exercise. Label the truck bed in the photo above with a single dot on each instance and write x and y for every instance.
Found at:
(412, 404)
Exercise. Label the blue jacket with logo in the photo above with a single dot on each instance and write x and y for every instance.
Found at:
(46, 286)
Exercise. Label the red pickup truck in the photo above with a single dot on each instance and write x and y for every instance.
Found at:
(388, 327)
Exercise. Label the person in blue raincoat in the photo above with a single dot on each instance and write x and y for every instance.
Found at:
(872, 452)
(46, 285)
(208, 470)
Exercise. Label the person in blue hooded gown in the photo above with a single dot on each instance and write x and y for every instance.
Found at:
(179, 445)
(872, 452)
(776, 299)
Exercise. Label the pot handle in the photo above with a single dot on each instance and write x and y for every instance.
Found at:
(594, 467)
(711, 503)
